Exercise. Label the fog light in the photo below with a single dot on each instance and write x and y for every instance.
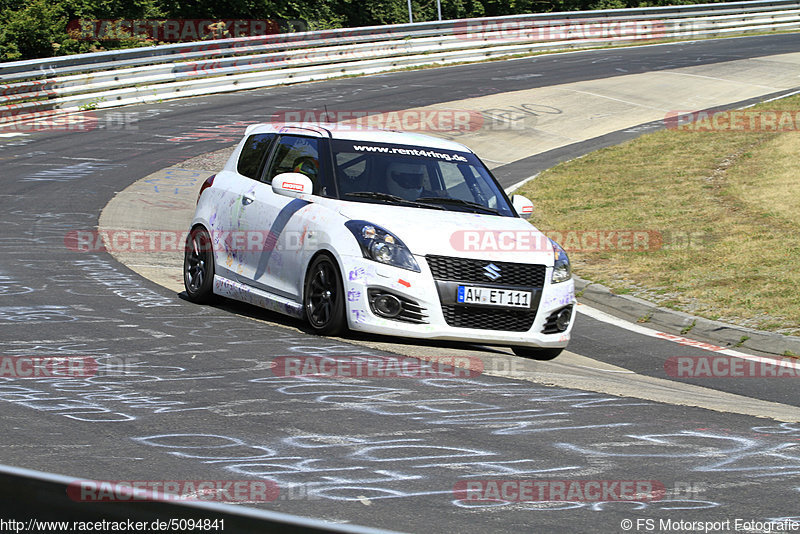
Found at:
(387, 305)
(562, 320)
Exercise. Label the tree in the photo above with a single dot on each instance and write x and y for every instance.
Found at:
(35, 30)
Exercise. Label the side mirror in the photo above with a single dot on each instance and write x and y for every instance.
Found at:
(292, 184)
(523, 206)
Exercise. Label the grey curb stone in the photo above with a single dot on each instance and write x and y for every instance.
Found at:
(646, 313)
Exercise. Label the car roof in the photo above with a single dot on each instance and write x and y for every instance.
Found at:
(357, 133)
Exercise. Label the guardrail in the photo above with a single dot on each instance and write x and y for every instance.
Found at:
(39, 88)
(37, 501)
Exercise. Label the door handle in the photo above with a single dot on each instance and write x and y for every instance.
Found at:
(248, 199)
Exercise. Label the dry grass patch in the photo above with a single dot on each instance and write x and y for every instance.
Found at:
(726, 205)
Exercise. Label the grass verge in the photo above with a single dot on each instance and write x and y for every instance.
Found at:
(724, 205)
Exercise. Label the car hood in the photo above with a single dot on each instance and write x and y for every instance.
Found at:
(459, 234)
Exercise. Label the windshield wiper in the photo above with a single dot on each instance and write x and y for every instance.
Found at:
(457, 201)
(391, 199)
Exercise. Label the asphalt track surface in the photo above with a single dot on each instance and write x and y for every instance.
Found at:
(187, 392)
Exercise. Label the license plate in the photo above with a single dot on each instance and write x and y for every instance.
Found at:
(491, 296)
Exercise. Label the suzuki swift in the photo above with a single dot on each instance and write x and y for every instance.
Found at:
(378, 231)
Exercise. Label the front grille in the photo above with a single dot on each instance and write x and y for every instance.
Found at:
(412, 312)
(447, 269)
(489, 319)
(472, 271)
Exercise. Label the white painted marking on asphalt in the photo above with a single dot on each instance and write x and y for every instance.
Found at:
(624, 372)
(628, 102)
(679, 73)
(774, 99)
(680, 340)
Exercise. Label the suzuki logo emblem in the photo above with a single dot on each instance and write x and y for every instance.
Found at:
(492, 271)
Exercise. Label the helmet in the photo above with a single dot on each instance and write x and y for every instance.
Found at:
(405, 179)
(308, 166)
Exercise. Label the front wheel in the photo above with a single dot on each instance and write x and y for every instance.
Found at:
(536, 353)
(198, 267)
(323, 298)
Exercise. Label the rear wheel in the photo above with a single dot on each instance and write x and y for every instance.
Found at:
(198, 267)
(536, 353)
(323, 297)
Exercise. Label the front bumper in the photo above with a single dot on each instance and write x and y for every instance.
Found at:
(360, 275)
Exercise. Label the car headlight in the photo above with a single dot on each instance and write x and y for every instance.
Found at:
(378, 244)
(561, 269)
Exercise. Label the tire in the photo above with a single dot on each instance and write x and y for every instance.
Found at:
(536, 353)
(198, 267)
(323, 297)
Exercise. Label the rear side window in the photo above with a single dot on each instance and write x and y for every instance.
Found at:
(254, 152)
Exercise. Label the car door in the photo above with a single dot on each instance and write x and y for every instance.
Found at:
(235, 190)
(276, 225)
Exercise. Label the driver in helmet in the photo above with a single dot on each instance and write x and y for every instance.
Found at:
(307, 165)
(405, 180)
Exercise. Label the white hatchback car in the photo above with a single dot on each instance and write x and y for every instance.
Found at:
(378, 231)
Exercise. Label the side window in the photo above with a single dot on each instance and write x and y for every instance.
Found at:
(295, 154)
(254, 152)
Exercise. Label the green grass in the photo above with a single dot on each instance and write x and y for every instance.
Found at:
(724, 206)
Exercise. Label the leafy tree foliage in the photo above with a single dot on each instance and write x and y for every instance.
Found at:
(38, 28)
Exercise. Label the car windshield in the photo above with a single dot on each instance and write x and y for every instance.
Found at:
(416, 176)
